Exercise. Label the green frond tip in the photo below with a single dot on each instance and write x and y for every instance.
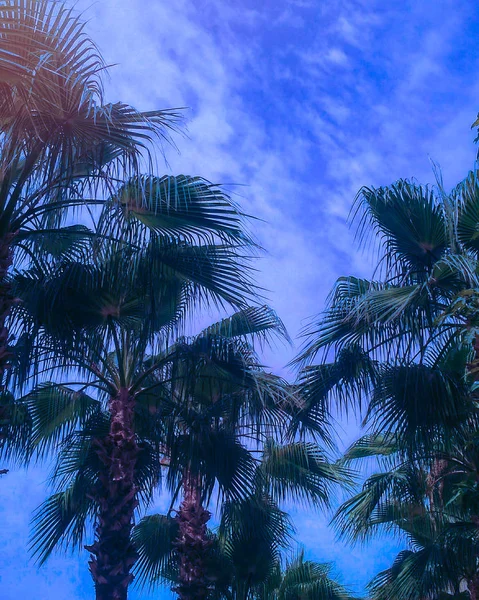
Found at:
(181, 205)
(300, 472)
(255, 324)
(307, 579)
(62, 519)
(153, 538)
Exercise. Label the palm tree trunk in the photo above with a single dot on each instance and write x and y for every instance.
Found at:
(435, 485)
(473, 587)
(113, 554)
(192, 544)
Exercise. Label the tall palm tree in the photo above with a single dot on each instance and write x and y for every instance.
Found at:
(60, 144)
(224, 402)
(222, 399)
(80, 471)
(400, 344)
(109, 320)
(246, 552)
(219, 399)
(405, 355)
(404, 345)
(201, 399)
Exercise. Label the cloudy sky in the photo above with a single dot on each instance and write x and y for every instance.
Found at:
(298, 103)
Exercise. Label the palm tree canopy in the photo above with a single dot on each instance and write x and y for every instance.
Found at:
(50, 75)
(399, 348)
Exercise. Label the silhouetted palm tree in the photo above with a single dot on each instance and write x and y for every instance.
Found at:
(109, 317)
(60, 145)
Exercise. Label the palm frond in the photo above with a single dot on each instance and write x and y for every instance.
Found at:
(62, 519)
(153, 538)
(420, 405)
(378, 504)
(218, 457)
(371, 445)
(409, 222)
(307, 579)
(182, 207)
(254, 322)
(300, 472)
(55, 411)
(253, 531)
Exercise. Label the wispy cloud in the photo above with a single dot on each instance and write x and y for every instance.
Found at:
(302, 102)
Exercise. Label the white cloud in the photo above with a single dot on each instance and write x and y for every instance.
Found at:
(303, 112)
(337, 56)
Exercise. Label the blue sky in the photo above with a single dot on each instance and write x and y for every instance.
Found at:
(301, 102)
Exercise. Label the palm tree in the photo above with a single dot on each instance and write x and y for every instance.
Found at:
(401, 345)
(60, 145)
(428, 258)
(432, 510)
(112, 326)
(219, 398)
(223, 402)
(200, 400)
(246, 551)
(404, 345)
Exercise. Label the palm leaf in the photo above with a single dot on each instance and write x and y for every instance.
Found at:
(62, 519)
(184, 207)
(253, 531)
(254, 321)
(408, 220)
(55, 411)
(153, 538)
(299, 472)
(312, 581)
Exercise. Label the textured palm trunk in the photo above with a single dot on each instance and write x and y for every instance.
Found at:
(473, 587)
(192, 545)
(113, 554)
(435, 484)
